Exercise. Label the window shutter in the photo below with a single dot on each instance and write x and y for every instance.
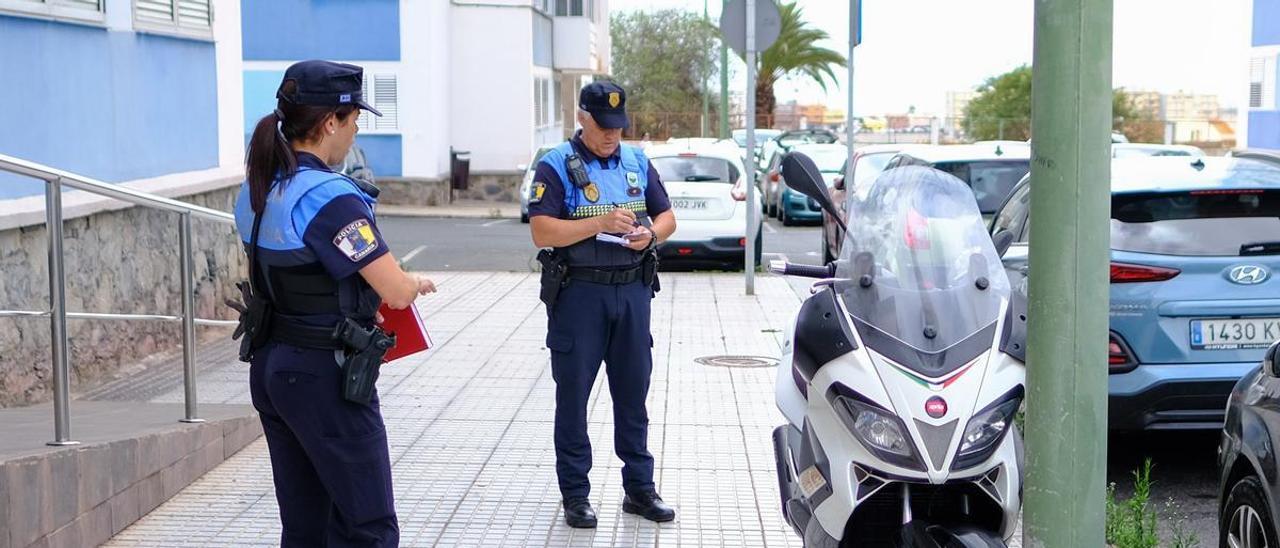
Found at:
(95, 5)
(156, 11)
(195, 13)
(385, 99)
(365, 122)
(1256, 71)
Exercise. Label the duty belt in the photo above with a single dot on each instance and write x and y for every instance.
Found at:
(607, 277)
(290, 331)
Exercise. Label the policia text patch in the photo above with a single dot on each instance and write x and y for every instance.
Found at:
(356, 240)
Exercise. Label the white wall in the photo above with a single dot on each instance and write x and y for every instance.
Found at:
(576, 44)
(424, 88)
(229, 59)
(491, 85)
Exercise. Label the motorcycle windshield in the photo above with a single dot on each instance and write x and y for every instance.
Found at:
(923, 271)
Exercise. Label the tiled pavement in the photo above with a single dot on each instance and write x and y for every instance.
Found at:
(469, 425)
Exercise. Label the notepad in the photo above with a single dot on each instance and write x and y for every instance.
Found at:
(612, 238)
(407, 326)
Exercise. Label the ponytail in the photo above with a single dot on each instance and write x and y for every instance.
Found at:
(269, 155)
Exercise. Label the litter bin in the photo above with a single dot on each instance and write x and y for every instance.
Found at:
(459, 168)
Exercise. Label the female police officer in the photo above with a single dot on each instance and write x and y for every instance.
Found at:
(319, 263)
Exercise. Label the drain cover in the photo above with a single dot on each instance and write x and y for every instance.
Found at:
(737, 361)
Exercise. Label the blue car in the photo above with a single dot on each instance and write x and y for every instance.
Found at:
(1195, 292)
(793, 207)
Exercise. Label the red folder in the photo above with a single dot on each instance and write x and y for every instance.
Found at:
(406, 324)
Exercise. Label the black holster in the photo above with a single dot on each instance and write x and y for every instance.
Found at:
(649, 270)
(254, 329)
(365, 347)
(555, 275)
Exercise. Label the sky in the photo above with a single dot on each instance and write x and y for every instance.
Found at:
(914, 51)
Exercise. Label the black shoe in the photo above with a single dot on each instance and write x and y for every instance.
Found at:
(578, 514)
(648, 506)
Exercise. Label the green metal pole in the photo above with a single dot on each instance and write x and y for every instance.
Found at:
(724, 88)
(706, 90)
(1067, 321)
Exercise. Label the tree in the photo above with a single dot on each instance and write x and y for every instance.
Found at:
(1002, 110)
(663, 59)
(795, 54)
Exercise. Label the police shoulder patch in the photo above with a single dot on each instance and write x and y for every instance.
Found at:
(535, 193)
(356, 240)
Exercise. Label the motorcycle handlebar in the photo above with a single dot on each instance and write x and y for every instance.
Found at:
(803, 270)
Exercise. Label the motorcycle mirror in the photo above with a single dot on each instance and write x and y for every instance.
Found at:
(802, 175)
(1002, 239)
(1269, 361)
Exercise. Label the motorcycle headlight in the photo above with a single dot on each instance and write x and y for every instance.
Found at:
(880, 432)
(985, 430)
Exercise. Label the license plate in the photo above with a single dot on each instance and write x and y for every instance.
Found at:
(689, 204)
(1234, 334)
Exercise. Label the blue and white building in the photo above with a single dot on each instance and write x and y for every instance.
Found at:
(496, 78)
(1263, 119)
(145, 93)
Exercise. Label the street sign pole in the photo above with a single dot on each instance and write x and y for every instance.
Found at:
(1067, 325)
(724, 85)
(855, 37)
(752, 211)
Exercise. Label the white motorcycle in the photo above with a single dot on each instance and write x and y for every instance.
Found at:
(903, 373)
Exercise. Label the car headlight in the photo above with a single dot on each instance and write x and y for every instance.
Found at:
(985, 430)
(879, 431)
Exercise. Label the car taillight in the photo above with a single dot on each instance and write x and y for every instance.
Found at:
(775, 176)
(1119, 358)
(1130, 273)
(742, 242)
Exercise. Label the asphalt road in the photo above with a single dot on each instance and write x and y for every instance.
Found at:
(1184, 474)
(505, 244)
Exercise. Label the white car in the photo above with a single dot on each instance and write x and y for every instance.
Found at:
(1129, 150)
(527, 183)
(707, 186)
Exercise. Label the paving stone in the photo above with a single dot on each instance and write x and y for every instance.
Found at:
(470, 425)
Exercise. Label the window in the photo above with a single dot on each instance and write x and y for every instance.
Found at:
(575, 8)
(184, 17)
(381, 92)
(1196, 223)
(81, 10)
(556, 101)
(1262, 77)
(1014, 215)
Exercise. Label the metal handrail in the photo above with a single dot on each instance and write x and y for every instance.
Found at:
(54, 180)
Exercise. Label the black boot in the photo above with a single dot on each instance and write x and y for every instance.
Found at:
(578, 513)
(648, 506)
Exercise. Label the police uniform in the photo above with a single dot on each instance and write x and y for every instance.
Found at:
(329, 455)
(603, 312)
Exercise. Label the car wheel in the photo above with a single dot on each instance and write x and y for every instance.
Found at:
(1246, 520)
(524, 218)
(786, 219)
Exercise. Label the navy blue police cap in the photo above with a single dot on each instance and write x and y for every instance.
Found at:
(607, 104)
(325, 84)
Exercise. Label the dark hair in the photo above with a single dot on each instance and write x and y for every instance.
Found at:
(270, 149)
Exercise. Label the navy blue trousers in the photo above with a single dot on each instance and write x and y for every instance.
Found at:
(328, 456)
(591, 323)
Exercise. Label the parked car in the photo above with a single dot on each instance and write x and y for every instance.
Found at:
(355, 166)
(868, 162)
(794, 207)
(707, 186)
(1265, 155)
(990, 169)
(527, 183)
(762, 136)
(1195, 300)
(1129, 150)
(770, 172)
(1247, 468)
(1249, 476)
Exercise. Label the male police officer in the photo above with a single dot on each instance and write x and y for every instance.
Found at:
(600, 205)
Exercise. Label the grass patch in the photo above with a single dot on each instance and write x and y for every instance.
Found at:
(1133, 523)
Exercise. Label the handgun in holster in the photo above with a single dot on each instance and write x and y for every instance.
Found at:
(365, 347)
(254, 329)
(649, 269)
(555, 276)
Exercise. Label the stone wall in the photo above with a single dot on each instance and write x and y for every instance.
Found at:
(123, 261)
(501, 186)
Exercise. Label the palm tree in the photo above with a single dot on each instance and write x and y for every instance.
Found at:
(795, 53)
